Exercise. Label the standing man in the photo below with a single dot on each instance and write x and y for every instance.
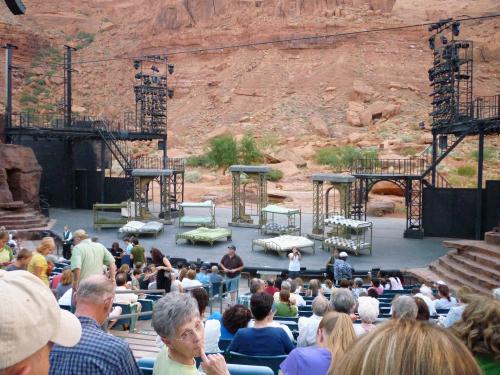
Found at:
(67, 242)
(329, 266)
(232, 265)
(88, 258)
(137, 253)
(342, 269)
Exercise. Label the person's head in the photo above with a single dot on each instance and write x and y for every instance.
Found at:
(358, 282)
(79, 235)
(344, 283)
(182, 273)
(157, 256)
(423, 310)
(95, 297)
(125, 268)
(479, 326)
(404, 307)
(201, 297)
(31, 323)
(464, 294)
(236, 317)
(204, 269)
(375, 282)
(335, 333)
(176, 319)
(284, 296)
(46, 246)
(368, 309)
(269, 283)
(261, 305)
(426, 291)
(256, 286)
(343, 301)
(402, 347)
(314, 286)
(66, 228)
(320, 306)
(115, 246)
(231, 250)
(67, 277)
(286, 285)
(277, 282)
(135, 241)
(149, 269)
(191, 274)
(372, 293)
(121, 279)
(298, 282)
(328, 283)
(444, 291)
(126, 240)
(136, 273)
(23, 257)
(4, 237)
(343, 256)
(293, 287)
(215, 270)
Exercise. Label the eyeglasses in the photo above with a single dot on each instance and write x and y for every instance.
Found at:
(190, 333)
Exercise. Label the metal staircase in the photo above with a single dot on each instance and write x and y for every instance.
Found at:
(118, 148)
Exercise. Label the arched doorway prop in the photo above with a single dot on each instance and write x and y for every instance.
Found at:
(249, 195)
(143, 186)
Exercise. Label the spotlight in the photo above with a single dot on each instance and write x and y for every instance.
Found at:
(170, 68)
(421, 125)
(138, 76)
(155, 69)
(455, 28)
(170, 93)
(444, 40)
(432, 42)
(137, 64)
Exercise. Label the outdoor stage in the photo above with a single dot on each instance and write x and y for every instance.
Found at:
(390, 249)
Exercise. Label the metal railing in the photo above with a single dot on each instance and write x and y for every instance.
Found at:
(152, 162)
(487, 107)
(406, 167)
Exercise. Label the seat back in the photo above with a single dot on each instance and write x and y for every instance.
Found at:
(126, 309)
(249, 370)
(147, 305)
(146, 365)
(224, 344)
(153, 297)
(273, 362)
(286, 318)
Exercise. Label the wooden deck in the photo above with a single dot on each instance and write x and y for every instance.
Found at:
(142, 342)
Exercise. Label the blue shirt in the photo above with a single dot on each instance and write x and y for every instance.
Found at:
(202, 278)
(309, 360)
(97, 353)
(342, 270)
(224, 333)
(261, 341)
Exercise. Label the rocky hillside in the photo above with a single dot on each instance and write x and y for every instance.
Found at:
(368, 90)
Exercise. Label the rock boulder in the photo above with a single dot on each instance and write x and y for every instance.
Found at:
(380, 208)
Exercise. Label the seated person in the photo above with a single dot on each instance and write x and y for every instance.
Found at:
(23, 258)
(314, 288)
(308, 326)
(263, 338)
(202, 276)
(65, 283)
(284, 307)
(270, 288)
(190, 282)
(376, 286)
(214, 277)
(147, 277)
(368, 310)
(445, 301)
(125, 298)
(358, 287)
(234, 318)
(327, 287)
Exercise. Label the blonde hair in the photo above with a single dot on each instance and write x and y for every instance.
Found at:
(314, 286)
(124, 268)
(479, 328)
(47, 243)
(408, 347)
(191, 274)
(339, 333)
(66, 277)
(3, 232)
(465, 294)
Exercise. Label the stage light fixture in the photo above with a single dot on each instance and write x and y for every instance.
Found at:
(170, 68)
(455, 28)
(170, 93)
(432, 42)
(421, 125)
(137, 64)
(138, 76)
(155, 69)
(444, 40)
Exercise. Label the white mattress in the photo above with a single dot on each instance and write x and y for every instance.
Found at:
(347, 244)
(140, 227)
(340, 220)
(284, 242)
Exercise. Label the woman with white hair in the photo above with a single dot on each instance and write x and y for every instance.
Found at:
(368, 310)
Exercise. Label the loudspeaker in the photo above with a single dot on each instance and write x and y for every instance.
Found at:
(16, 6)
(161, 144)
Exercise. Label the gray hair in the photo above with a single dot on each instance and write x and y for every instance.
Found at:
(293, 287)
(286, 285)
(95, 289)
(255, 285)
(172, 311)
(358, 281)
(215, 269)
(404, 307)
(343, 301)
(320, 306)
(368, 309)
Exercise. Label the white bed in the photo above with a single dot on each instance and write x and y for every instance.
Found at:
(283, 244)
(197, 220)
(138, 227)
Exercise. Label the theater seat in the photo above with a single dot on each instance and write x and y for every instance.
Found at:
(273, 362)
(146, 365)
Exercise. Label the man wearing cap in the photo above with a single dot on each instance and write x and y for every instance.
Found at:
(342, 269)
(97, 353)
(31, 322)
(88, 258)
(232, 265)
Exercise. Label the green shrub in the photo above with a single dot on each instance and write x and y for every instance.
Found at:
(249, 153)
(488, 154)
(192, 176)
(407, 138)
(466, 170)
(223, 152)
(341, 158)
(274, 175)
(408, 151)
(27, 99)
(85, 38)
(198, 161)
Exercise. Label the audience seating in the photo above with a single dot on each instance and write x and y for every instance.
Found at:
(305, 313)
(224, 344)
(273, 362)
(123, 322)
(153, 297)
(147, 305)
(286, 318)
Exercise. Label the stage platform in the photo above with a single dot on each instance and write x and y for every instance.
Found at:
(390, 249)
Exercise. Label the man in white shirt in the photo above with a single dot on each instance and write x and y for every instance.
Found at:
(308, 327)
(189, 281)
(124, 298)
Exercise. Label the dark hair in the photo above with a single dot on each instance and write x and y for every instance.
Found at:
(261, 305)
(201, 296)
(236, 317)
(269, 282)
(121, 279)
(372, 293)
(135, 241)
(344, 283)
(423, 309)
(136, 272)
(444, 291)
(376, 282)
(157, 256)
(415, 291)
(277, 282)
(115, 245)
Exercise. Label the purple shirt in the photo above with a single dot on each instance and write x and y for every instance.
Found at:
(308, 360)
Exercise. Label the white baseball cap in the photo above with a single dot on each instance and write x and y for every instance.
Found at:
(343, 254)
(30, 317)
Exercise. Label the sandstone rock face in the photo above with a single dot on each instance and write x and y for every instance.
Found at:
(318, 126)
(380, 208)
(20, 175)
(290, 155)
(387, 188)
(287, 167)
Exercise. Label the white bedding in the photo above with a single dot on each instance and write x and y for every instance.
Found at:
(284, 243)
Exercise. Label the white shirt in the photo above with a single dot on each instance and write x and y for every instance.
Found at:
(65, 299)
(395, 283)
(443, 303)
(284, 327)
(308, 327)
(212, 336)
(188, 283)
(124, 298)
(294, 262)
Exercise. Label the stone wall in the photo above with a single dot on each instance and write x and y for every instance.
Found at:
(20, 175)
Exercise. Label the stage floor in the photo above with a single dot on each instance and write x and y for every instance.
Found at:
(390, 249)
